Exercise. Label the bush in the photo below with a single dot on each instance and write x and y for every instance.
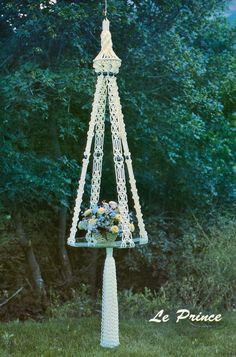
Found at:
(81, 305)
(142, 304)
(209, 274)
(201, 265)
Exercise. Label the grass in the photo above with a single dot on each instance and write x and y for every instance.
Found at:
(138, 338)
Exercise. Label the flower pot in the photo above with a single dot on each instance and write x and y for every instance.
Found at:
(104, 237)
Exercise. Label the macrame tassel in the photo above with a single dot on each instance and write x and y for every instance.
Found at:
(110, 321)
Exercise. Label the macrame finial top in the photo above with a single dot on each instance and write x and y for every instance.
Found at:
(106, 60)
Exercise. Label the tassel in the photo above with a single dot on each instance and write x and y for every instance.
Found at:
(110, 320)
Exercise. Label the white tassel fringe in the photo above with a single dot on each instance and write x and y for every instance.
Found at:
(110, 320)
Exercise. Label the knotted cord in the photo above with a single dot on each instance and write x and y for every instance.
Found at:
(105, 8)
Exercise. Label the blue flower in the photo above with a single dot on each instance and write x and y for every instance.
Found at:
(112, 214)
(94, 209)
(83, 225)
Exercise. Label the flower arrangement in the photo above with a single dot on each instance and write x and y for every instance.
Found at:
(103, 222)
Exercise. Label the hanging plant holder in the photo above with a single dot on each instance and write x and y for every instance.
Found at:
(108, 225)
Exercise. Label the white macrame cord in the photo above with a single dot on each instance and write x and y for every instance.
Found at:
(106, 66)
(110, 318)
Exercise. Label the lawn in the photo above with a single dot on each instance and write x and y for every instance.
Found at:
(80, 337)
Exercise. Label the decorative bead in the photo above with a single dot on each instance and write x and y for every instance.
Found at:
(118, 158)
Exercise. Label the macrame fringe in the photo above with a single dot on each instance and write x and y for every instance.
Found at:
(110, 319)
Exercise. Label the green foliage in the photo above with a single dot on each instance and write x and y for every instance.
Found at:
(207, 276)
(194, 267)
(80, 306)
(185, 133)
(142, 304)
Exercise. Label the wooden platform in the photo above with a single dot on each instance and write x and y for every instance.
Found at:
(115, 244)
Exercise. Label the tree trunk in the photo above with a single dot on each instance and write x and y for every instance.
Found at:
(93, 272)
(26, 244)
(66, 266)
(67, 273)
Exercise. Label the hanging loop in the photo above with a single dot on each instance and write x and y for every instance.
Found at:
(105, 8)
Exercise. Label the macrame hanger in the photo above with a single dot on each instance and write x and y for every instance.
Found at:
(106, 65)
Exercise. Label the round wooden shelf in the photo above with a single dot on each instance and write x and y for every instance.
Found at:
(115, 244)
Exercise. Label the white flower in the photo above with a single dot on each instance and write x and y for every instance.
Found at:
(113, 204)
